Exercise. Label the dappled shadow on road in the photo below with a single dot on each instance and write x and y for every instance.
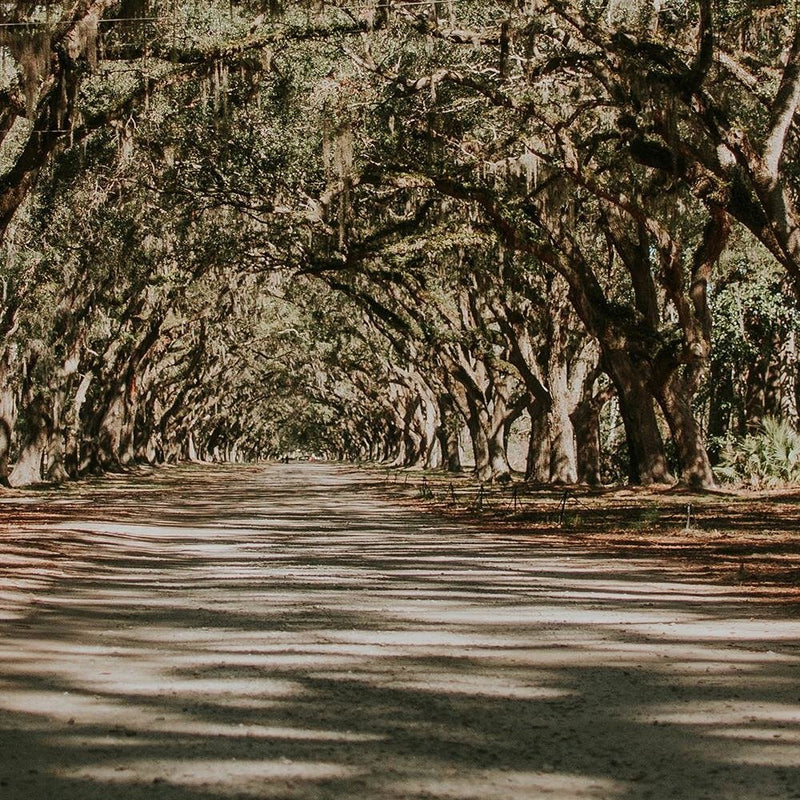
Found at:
(281, 633)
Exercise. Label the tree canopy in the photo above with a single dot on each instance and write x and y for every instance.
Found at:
(553, 236)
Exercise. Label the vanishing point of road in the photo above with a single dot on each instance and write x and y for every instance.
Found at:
(290, 632)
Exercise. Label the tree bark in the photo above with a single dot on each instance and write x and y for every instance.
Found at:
(538, 462)
(675, 400)
(586, 422)
(8, 415)
(448, 435)
(647, 458)
(28, 468)
(563, 456)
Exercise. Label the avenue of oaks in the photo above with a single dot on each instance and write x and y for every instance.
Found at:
(397, 231)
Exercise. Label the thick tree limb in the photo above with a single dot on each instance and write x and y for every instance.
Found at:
(783, 111)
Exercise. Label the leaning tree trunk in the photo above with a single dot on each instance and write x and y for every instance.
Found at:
(675, 399)
(498, 454)
(586, 422)
(431, 423)
(399, 450)
(497, 414)
(73, 428)
(488, 442)
(480, 445)
(413, 431)
(56, 468)
(647, 458)
(115, 432)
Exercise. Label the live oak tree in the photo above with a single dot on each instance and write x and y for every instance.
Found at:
(231, 230)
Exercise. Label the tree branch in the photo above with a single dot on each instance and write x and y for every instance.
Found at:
(783, 110)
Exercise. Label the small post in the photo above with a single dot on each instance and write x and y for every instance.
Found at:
(562, 512)
(688, 516)
(452, 494)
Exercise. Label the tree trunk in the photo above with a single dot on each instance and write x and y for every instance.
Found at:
(480, 445)
(448, 435)
(431, 422)
(538, 464)
(7, 419)
(780, 400)
(563, 457)
(115, 433)
(28, 468)
(647, 458)
(5, 449)
(72, 444)
(498, 456)
(586, 422)
(675, 400)
(55, 454)
(722, 401)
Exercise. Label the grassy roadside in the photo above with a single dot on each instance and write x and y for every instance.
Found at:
(745, 538)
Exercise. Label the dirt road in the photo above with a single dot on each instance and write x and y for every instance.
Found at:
(284, 632)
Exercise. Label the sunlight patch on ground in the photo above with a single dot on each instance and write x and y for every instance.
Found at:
(185, 726)
(226, 778)
(776, 754)
(758, 734)
(754, 733)
(688, 652)
(123, 719)
(43, 707)
(563, 615)
(502, 785)
(444, 683)
(730, 712)
(266, 661)
(421, 637)
(75, 706)
(157, 684)
(731, 630)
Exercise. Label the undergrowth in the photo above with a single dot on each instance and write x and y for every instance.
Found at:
(770, 457)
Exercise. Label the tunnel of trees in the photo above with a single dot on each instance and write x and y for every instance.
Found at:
(553, 236)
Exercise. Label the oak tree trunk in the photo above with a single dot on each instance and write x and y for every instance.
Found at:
(675, 400)
(38, 426)
(647, 458)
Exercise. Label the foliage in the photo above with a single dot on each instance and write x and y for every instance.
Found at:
(246, 228)
(770, 457)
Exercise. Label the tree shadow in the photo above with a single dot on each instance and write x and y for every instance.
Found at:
(333, 646)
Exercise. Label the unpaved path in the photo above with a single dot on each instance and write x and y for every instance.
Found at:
(284, 632)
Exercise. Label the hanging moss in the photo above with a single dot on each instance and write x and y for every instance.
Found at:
(31, 48)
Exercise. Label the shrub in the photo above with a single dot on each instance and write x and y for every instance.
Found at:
(768, 458)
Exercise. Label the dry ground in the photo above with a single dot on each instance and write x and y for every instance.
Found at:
(293, 632)
(747, 538)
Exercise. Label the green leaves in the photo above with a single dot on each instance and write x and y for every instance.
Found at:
(770, 457)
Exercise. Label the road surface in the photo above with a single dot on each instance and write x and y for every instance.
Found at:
(289, 632)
